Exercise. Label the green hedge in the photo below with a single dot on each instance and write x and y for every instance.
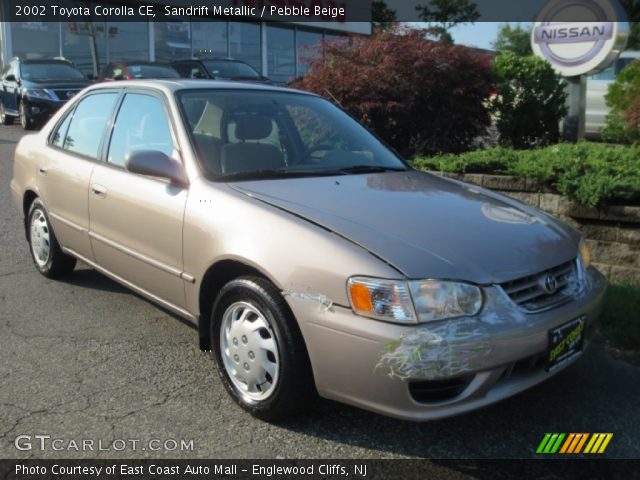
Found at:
(591, 173)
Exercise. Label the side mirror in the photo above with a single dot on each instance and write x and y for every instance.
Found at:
(91, 76)
(156, 164)
(11, 78)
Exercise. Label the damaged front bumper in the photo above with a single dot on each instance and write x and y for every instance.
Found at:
(441, 369)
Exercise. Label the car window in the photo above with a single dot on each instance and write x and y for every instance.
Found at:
(141, 124)
(49, 71)
(226, 69)
(61, 131)
(88, 124)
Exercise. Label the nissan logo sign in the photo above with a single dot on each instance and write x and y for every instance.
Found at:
(579, 37)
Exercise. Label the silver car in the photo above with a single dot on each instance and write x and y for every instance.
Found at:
(311, 257)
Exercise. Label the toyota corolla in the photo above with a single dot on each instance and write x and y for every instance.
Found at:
(312, 259)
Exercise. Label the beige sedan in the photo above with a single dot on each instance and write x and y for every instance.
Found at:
(311, 257)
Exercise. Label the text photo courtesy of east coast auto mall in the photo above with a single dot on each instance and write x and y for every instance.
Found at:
(320, 239)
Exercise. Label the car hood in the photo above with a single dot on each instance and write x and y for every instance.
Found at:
(57, 84)
(426, 226)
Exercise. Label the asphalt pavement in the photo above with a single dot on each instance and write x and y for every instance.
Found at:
(84, 358)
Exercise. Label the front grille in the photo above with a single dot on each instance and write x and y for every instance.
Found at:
(433, 391)
(532, 292)
(64, 94)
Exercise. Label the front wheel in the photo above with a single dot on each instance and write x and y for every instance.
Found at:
(259, 350)
(25, 119)
(47, 255)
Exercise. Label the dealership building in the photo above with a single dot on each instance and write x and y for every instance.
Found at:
(279, 50)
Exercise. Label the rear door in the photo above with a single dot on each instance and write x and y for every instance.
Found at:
(65, 169)
(136, 220)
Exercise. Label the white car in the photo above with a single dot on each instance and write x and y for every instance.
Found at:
(597, 86)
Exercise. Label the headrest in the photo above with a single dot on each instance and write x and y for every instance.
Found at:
(253, 127)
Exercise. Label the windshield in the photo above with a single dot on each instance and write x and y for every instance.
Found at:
(266, 134)
(225, 69)
(49, 71)
(152, 71)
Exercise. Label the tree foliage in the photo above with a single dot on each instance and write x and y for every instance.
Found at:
(623, 100)
(530, 101)
(515, 39)
(382, 16)
(442, 15)
(422, 97)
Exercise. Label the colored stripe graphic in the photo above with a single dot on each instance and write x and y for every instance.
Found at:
(573, 443)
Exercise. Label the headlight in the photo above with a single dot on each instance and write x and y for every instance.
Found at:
(585, 254)
(413, 302)
(38, 93)
(437, 300)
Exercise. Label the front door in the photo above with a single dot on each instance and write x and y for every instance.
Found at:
(135, 220)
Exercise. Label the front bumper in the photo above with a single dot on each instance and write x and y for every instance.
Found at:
(489, 357)
(40, 109)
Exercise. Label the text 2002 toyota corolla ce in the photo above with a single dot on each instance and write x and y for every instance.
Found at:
(310, 256)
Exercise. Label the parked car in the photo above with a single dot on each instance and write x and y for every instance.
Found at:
(33, 90)
(597, 87)
(309, 255)
(137, 71)
(218, 69)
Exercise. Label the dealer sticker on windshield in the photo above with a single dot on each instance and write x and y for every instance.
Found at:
(565, 342)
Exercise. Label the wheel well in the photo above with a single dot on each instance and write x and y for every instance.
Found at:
(216, 277)
(27, 200)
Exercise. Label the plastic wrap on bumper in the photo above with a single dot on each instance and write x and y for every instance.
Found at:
(369, 364)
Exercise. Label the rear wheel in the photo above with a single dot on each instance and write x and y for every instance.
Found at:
(47, 255)
(4, 118)
(259, 350)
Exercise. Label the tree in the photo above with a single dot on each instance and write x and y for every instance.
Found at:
(529, 101)
(442, 15)
(632, 8)
(420, 96)
(382, 16)
(623, 100)
(515, 39)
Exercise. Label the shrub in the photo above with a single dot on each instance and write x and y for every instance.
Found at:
(590, 173)
(421, 97)
(529, 102)
(623, 99)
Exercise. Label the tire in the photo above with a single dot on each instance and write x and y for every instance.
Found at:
(54, 263)
(4, 118)
(262, 361)
(25, 120)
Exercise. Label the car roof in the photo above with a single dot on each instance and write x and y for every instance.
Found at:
(170, 86)
(44, 60)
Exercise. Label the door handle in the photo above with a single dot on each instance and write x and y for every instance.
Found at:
(43, 170)
(99, 190)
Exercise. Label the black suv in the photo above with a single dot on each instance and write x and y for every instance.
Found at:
(218, 69)
(33, 90)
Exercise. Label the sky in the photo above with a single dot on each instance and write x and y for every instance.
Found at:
(479, 34)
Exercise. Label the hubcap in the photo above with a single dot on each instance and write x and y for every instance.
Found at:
(23, 115)
(40, 238)
(249, 351)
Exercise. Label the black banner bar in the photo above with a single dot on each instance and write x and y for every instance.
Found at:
(314, 469)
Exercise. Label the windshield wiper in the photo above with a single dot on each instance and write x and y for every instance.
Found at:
(370, 169)
(268, 174)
